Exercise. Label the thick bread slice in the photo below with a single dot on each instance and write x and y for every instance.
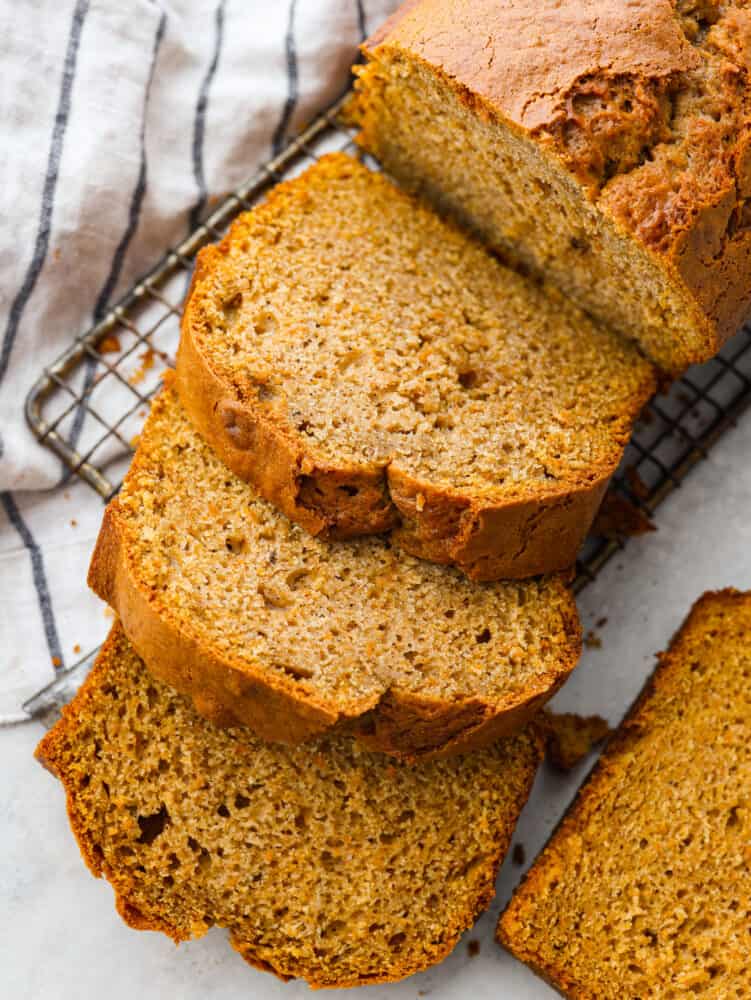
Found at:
(645, 888)
(264, 625)
(604, 145)
(326, 862)
(367, 367)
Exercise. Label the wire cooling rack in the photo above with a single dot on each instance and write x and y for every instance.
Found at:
(89, 405)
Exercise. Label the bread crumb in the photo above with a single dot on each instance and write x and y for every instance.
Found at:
(77, 648)
(592, 640)
(473, 947)
(571, 737)
(108, 612)
(109, 344)
(601, 622)
(56, 661)
(518, 855)
(73, 522)
(147, 363)
(620, 518)
(637, 485)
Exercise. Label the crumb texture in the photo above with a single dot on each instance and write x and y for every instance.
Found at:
(338, 624)
(645, 889)
(378, 336)
(325, 862)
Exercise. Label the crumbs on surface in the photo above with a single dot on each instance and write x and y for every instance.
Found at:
(109, 344)
(518, 855)
(570, 737)
(147, 363)
(592, 640)
(473, 947)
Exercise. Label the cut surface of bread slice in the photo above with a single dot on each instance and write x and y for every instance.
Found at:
(645, 888)
(262, 624)
(326, 862)
(605, 146)
(369, 367)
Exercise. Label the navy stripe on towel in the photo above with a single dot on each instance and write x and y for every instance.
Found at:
(50, 184)
(280, 132)
(38, 575)
(361, 22)
(199, 124)
(118, 258)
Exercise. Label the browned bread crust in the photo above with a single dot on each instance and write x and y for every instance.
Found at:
(232, 686)
(280, 846)
(488, 533)
(664, 813)
(645, 106)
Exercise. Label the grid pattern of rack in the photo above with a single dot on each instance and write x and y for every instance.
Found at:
(89, 405)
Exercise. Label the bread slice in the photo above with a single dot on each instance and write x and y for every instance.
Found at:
(265, 626)
(605, 146)
(326, 862)
(645, 888)
(367, 366)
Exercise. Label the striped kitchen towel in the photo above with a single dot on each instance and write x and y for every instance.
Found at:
(120, 122)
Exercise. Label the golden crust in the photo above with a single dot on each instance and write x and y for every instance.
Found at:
(539, 531)
(664, 152)
(54, 752)
(231, 691)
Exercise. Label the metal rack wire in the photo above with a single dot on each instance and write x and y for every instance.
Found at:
(89, 405)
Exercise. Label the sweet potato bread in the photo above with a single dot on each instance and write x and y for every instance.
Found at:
(602, 143)
(645, 888)
(261, 624)
(325, 862)
(368, 367)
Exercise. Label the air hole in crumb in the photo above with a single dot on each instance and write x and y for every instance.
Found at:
(151, 826)
(299, 672)
(235, 544)
(223, 811)
(449, 613)
(241, 802)
(468, 379)
(265, 322)
(483, 636)
(351, 491)
(266, 392)
(397, 940)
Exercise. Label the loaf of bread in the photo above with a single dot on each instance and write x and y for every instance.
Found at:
(262, 624)
(368, 367)
(645, 888)
(325, 862)
(602, 143)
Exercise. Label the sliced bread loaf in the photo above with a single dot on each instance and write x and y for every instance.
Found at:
(262, 624)
(604, 145)
(367, 366)
(645, 888)
(325, 862)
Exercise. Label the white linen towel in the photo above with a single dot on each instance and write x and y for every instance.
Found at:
(119, 122)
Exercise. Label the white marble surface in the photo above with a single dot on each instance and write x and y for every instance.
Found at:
(61, 938)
